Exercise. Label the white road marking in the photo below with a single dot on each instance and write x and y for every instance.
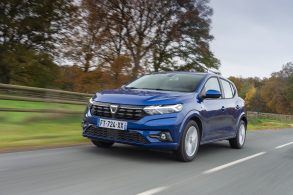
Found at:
(153, 191)
(284, 145)
(232, 163)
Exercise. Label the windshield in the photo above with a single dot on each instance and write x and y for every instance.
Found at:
(168, 82)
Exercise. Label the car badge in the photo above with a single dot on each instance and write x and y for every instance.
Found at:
(113, 108)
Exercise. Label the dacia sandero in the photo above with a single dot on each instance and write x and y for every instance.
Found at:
(176, 111)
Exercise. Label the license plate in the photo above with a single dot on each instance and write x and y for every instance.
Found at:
(113, 124)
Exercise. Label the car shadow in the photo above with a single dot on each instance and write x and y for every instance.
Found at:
(133, 153)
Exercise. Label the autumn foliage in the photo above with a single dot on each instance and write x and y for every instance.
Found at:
(90, 45)
(274, 94)
(74, 78)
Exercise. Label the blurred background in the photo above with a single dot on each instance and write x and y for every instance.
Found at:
(54, 55)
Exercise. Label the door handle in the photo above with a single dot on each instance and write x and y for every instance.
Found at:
(223, 108)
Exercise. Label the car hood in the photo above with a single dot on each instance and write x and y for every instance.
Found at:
(142, 97)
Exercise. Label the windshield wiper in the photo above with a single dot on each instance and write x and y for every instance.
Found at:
(155, 89)
(131, 87)
(142, 88)
(169, 90)
(158, 89)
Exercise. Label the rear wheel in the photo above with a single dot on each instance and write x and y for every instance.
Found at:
(239, 140)
(189, 143)
(102, 144)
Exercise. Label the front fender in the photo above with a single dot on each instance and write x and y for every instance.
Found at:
(191, 114)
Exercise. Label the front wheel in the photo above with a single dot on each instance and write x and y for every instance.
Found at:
(101, 144)
(189, 143)
(239, 140)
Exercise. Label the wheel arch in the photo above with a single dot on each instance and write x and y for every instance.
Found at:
(199, 124)
(193, 115)
(243, 117)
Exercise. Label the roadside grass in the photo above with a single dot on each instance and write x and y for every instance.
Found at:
(40, 105)
(29, 130)
(266, 123)
(18, 130)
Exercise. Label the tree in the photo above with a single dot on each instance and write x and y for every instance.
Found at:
(28, 67)
(286, 72)
(289, 89)
(274, 94)
(33, 26)
(73, 78)
(249, 97)
(156, 35)
(118, 73)
(83, 43)
(277, 91)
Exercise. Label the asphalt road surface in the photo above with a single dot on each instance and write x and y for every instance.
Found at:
(264, 166)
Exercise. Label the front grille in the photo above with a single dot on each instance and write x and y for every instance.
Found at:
(101, 110)
(124, 111)
(116, 135)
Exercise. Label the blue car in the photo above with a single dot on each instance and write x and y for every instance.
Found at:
(175, 111)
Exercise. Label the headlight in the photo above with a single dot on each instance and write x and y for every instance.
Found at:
(91, 101)
(151, 110)
(88, 107)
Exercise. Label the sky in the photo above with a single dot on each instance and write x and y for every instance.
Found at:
(252, 37)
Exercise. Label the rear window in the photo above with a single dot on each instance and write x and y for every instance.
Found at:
(233, 89)
(228, 93)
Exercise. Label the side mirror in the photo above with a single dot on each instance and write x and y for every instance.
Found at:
(213, 94)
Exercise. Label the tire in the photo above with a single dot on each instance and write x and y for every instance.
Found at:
(189, 143)
(101, 144)
(239, 141)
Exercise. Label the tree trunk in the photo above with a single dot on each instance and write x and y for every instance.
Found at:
(136, 67)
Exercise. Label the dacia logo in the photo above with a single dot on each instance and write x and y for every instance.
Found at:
(113, 109)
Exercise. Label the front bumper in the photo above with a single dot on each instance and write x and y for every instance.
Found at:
(142, 133)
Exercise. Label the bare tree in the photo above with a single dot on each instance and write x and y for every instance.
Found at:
(155, 35)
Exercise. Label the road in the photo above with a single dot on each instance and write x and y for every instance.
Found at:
(264, 166)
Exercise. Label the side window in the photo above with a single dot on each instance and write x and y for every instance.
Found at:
(212, 83)
(233, 89)
(228, 93)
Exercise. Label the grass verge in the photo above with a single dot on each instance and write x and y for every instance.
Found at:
(30, 130)
(266, 123)
(19, 130)
(39, 130)
(40, 105)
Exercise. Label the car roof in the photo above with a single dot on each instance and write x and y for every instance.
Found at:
(206, 74)
(186, 72)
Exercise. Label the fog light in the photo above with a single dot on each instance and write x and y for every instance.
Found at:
(163, 136)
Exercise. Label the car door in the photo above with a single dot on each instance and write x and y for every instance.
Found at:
(212, 111)
(230, 108)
